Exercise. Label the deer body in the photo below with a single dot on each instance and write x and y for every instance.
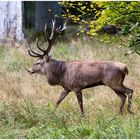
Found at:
(78, 75)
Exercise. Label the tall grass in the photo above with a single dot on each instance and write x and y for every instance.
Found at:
(27, 102)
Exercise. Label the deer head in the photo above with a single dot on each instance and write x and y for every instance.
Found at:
(44, 58)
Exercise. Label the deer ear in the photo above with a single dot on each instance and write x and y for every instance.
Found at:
(47, 58)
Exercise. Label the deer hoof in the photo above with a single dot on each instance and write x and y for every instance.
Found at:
(130, 112)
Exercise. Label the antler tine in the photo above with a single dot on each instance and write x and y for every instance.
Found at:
(53, 29)
(46, 33)
(62, 28)
(33, 54)
(52, 37)
(54, 33)
(39, 46)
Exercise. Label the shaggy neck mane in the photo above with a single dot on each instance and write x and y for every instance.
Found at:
(55, 72)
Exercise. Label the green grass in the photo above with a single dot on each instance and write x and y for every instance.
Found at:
(44, 123)
(27, 102)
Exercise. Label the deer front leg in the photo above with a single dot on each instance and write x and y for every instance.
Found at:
(80, 101)
(64, 93)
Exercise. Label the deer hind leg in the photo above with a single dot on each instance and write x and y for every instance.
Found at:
(80, 101)
(129, 93)
(123, 99)
(64, 93)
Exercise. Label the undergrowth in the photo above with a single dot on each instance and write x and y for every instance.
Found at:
(27, 102)
(42, 122)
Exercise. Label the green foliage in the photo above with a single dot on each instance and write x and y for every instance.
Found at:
(123, 14)
(126, 15)
(82, 13)
(134, 43)
(53, 125)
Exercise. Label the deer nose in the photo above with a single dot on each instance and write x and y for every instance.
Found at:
(30, 71)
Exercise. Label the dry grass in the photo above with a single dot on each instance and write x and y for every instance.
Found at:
(14, 78)
(17, 86)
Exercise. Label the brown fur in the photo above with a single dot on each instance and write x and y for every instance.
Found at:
(78, 75)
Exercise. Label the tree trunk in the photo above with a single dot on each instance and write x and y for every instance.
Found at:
(29, 14)
(11, 25)
(45, 12)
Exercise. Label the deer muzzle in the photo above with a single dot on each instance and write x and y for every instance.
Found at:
(29, 71)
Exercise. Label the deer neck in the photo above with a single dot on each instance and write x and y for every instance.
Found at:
(55, 72)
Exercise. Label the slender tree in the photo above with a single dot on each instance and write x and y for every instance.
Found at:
(11, 21)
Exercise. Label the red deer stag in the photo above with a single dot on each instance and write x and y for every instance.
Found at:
(78, 75)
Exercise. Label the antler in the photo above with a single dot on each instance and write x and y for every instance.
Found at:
(55, 32)
(32, 53)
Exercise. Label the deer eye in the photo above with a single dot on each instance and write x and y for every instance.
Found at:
(37, 63)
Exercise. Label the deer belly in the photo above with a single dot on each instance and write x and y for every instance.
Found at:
(82, 81)
(86, 80)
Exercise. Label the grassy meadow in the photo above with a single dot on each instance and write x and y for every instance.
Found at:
(27, 101)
